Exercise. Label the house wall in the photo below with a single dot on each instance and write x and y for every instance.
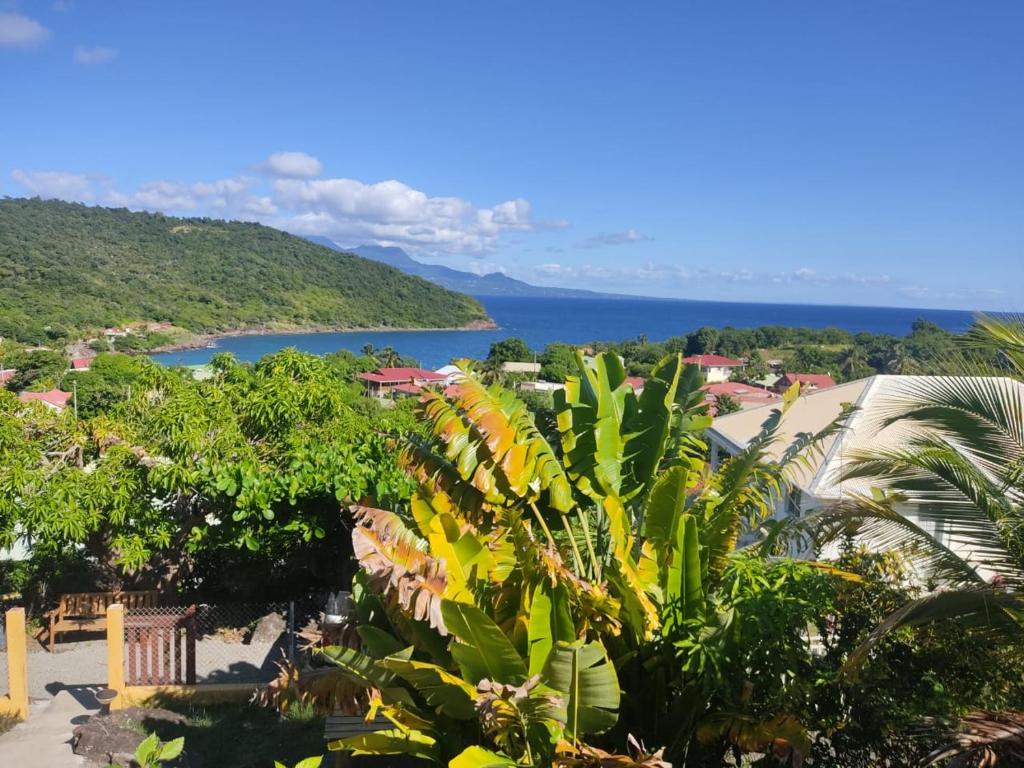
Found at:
(714, 374)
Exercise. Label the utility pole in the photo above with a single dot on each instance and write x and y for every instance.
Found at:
(74, 397)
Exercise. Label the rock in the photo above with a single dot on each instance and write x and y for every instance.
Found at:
(113, 738)
(269, 629)
(104, 742)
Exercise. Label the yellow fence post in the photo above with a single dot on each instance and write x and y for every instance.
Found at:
(115, 651)
(17, 663)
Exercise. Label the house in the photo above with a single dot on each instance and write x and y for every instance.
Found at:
(54, 399)
(541, 386)
(513, 367)
(748, 395)
(714, 368)
(808, 381)
(636, 383)
(385, 381)
(80, 363)
(115, 333)
(451, 373)
(6, 374)
(819, 482)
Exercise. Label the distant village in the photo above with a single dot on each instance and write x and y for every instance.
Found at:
(80, 361)
(723, 376)
(726, 388)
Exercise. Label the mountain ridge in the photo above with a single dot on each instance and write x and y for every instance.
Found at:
(67, 269)
(488, 285)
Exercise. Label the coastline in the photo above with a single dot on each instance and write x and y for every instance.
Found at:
(200, 341)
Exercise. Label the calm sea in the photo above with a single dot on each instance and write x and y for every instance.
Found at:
(576, 321)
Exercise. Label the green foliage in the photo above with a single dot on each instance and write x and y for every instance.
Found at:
(36, 370)
(151, 752)
(726, 404)
(233, 482)
(523, 566)
(89, 268)
(512, 349)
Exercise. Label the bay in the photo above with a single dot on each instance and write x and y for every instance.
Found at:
(540, 321)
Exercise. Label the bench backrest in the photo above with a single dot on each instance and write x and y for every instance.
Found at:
(96, 603)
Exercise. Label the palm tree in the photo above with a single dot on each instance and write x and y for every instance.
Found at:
(963, 467)
(389, 357)
(370, 351)
(852, 362)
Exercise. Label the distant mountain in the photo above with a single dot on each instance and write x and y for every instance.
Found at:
(78, 269)
(492, 284)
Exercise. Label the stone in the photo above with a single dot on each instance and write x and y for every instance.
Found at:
(104, 742)
(269, 629)
(113, 739)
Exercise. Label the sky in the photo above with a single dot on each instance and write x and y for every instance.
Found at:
(832, 153)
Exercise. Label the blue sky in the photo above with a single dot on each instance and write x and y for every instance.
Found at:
(837, 152)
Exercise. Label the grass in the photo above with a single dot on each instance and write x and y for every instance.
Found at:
(244, 735)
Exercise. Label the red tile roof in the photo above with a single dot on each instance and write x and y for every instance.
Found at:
(745, 393)
(807, 380)
(54, 397)
(712, 361)
(409, 389)
(399, 375)
(81, 363)
(636, 382)
(6, 375)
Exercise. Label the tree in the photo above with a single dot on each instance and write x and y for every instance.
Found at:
(510, 350)
(703, 341)
(39, 369)
(557, 362)
(233, 482)
(726, 404)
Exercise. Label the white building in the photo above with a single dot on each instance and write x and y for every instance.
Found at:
(820, 483)
(714, 368)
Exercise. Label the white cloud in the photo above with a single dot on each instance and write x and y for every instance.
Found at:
(344, 210)
(603, 239)
(17, 31)
(292, 165)
(394, 213)
(61, 185)
(95, 55)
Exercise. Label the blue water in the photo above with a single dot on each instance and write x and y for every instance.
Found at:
(577, 321)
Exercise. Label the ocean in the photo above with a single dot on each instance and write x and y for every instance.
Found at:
(540, 321)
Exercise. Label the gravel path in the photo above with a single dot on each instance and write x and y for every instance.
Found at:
(85, 663)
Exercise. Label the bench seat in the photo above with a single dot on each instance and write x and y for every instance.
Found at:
(87, 611)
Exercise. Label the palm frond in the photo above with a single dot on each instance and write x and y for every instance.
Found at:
(984, 739)
(876, 522)
(986, 609)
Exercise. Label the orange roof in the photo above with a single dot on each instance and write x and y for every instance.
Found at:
(808, 380)
(712, 361)
(54, 397)
(81, 363)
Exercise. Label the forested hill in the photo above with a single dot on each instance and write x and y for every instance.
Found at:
(81, 268)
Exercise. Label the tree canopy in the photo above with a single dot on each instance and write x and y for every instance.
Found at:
(67, 268)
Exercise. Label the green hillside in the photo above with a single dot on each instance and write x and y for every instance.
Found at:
(74, 268)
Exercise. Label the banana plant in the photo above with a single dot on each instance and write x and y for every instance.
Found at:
(492, 605)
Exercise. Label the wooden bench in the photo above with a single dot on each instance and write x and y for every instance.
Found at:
(340, 726)
(87, 611)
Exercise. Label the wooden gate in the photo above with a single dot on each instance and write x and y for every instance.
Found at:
(159, 646)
